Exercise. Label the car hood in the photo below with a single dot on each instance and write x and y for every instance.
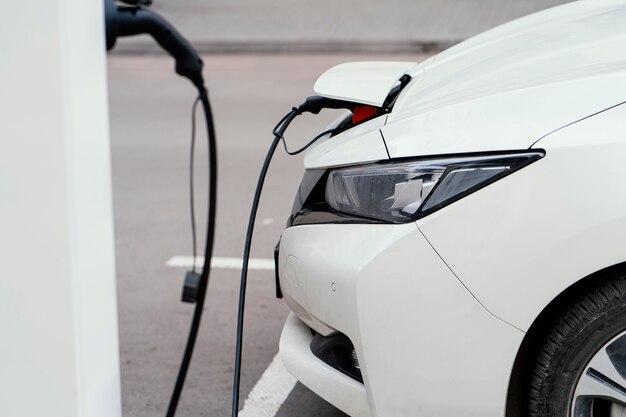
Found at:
(508, 87)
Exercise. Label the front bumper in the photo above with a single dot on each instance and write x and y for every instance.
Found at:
(338, 389)
(424, 344)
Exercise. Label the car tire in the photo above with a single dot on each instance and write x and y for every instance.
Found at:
(565, 381)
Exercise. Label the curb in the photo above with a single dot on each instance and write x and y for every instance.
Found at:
(291, 47)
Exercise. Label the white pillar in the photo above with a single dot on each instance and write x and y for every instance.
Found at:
(58, 318)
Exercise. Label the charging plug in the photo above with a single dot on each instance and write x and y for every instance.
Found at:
(191, 287)
(135, 20)
(315, 104)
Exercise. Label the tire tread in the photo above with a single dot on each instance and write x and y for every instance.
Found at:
(582, 312)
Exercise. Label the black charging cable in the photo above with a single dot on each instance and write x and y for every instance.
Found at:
(311, 142)
(192, 203)
(279, 130)
(208, 252)
(313, 104)
(131, 19)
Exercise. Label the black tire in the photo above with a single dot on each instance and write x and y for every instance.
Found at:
(592, 321)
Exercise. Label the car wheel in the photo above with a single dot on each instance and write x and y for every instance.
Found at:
(581, 368)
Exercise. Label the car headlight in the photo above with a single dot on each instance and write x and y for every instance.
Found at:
(401, 192)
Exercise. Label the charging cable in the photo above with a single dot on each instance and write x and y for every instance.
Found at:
(132, 19)
(313, 104)
(203, 280)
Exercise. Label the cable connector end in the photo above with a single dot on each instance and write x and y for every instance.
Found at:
(315, 104)
(191, 287)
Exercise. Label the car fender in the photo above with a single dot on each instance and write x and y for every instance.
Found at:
(520, 242)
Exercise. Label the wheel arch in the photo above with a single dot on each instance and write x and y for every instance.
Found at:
(517, 396)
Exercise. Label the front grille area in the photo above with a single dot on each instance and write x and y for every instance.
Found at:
(338, 352)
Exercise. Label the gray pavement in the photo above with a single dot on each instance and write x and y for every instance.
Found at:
(333, 26)
(150, 127)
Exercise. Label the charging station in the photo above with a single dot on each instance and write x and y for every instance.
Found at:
(59, 351)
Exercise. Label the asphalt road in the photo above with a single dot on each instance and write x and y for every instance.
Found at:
(150, 128)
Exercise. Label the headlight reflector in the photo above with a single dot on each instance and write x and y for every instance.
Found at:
(401, 192)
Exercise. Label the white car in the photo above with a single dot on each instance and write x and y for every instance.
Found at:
(462, 250)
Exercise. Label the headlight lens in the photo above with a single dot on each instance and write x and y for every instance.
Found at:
(404, 191)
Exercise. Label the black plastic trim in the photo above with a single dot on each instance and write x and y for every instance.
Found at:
(336, 352)
(311, 191)
(322, 213)
(279, 291)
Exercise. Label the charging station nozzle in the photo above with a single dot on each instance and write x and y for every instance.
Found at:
(136, 20)
(315, 104)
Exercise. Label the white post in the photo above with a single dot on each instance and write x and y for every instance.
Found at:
(58, 319)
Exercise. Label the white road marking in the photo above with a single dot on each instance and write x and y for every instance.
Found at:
(270, 391)
(260, 264)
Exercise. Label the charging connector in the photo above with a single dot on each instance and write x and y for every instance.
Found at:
(135, 20)
(315, 104)
(191, 287)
